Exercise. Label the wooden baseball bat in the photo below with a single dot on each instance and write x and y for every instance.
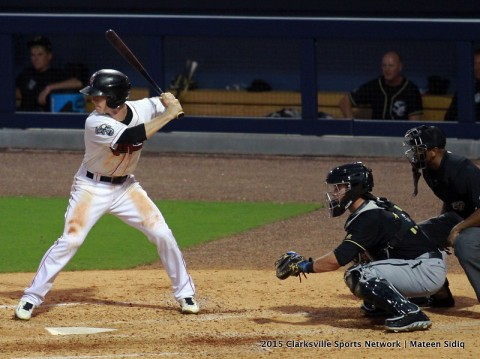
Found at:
(128, 55)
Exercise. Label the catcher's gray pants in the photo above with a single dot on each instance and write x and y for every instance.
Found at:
(467, 244)
(419, 277)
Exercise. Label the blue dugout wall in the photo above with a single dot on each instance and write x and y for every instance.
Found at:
(305, 32)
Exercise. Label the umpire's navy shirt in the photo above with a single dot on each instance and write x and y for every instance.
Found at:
(456, 183)
(371, 228)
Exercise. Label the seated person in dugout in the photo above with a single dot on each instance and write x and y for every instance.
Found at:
(452, 112)
(390, 96)
(393, 260)
(36, 82)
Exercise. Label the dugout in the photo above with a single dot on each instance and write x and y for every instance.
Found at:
(302, 56)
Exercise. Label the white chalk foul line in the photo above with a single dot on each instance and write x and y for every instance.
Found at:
(46, 305)
(77, 330)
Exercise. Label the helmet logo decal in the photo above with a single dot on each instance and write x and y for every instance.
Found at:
(104, 129)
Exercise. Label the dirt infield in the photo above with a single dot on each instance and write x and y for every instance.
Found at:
(246, 311)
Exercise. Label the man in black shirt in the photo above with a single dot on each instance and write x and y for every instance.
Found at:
(452, 112)
(455, 180)
(35, 83)
(394, 259)
(391, 96)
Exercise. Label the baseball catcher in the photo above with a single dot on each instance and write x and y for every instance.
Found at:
(392, 259)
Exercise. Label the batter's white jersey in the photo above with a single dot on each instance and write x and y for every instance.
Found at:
(102, 155)
(95, 192)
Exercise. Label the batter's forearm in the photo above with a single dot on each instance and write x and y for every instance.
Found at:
(157, 123)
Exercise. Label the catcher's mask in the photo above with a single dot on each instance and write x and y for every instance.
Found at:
(420, 140)
(345, 184)
(110, 83)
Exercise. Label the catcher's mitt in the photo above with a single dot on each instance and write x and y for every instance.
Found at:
(293, 264)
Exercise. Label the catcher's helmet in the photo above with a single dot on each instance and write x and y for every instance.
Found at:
(345, 184)
(420, 139)
(111, 83)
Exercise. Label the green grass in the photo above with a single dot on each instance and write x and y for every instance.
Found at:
(29, 226)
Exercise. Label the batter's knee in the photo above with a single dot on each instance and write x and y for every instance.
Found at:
(162, 236)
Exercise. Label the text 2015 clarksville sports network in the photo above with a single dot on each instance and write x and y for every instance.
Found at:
(296, 343)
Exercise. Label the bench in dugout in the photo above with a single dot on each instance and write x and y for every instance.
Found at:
(228, 103)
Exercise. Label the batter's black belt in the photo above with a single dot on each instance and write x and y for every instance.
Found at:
(113, 180)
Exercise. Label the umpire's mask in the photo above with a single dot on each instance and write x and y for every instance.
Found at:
(420, 140)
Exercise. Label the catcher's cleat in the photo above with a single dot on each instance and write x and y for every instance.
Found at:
(442, 299)
(408, 323)
(371, 311)
(189, 306)
(24, 310)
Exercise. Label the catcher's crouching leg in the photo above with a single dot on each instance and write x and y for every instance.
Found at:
(379, 292)
(406, 316)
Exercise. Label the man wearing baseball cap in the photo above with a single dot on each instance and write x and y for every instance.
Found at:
(35, 83)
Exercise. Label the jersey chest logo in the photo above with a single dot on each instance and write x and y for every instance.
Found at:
(104, 129)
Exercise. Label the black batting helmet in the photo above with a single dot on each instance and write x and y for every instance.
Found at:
(110, 83)
(345, 184)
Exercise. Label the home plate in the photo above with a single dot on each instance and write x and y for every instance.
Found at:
(77, 330)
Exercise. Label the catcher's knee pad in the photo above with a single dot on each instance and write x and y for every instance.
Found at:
(352, 279)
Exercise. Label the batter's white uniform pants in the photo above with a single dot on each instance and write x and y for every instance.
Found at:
(89, 201)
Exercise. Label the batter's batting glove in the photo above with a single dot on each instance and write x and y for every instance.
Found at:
(293, 264)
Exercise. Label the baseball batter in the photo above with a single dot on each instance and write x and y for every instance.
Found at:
(394, 259)
(114, 135)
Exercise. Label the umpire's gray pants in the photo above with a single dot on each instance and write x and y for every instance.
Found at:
(467, 244)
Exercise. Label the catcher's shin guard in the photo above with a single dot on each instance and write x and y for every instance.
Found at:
(379, 292)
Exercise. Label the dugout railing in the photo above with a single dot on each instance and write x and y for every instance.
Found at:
(305, 31)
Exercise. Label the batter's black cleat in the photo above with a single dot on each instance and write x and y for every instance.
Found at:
(408, 323)
(371, 311)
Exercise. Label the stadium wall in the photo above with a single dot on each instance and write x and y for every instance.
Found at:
(233, 143)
